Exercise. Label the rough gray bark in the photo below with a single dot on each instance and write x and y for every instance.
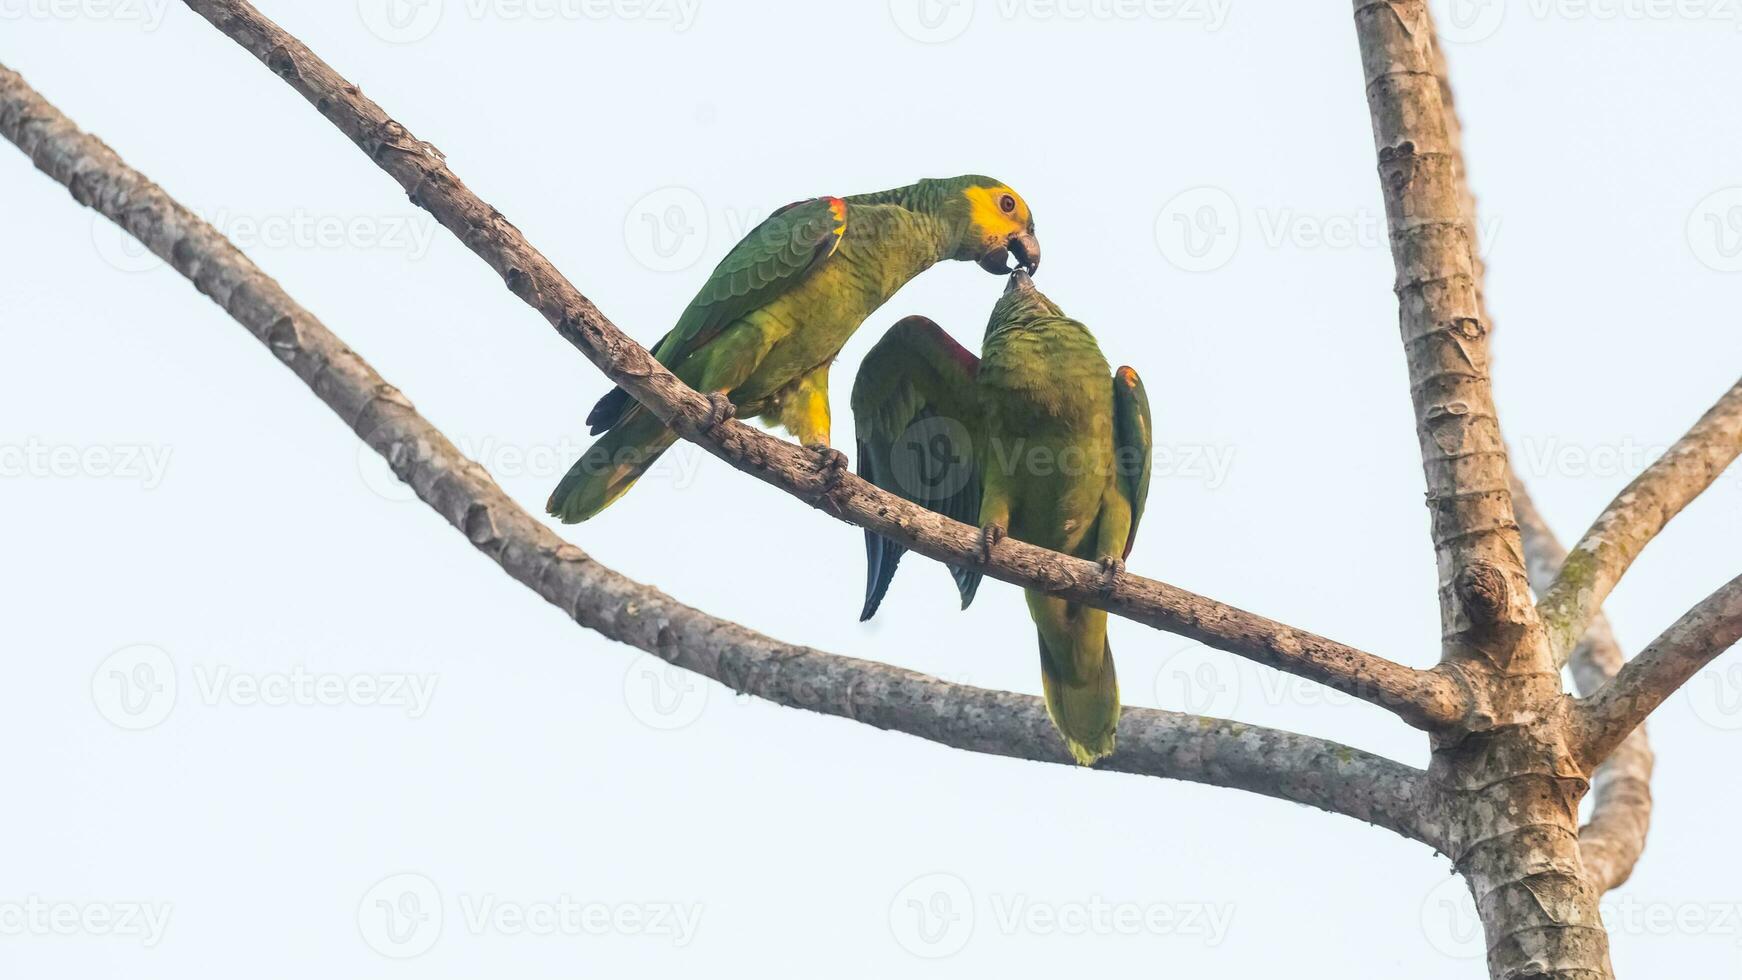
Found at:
(1618, 707)
(1642, 510)
(1426, 699)
(1299, 768)
(1509, 785)
(1484, 594)
(1611, 842)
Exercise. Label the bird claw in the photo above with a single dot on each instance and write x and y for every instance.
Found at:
(720, 409)
(990, 535)
(1111, 569)
(831, 465)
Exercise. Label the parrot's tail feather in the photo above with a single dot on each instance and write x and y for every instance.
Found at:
(882, 556)
(1084, 708)
(608, 411)
(616, 404)
(967, 583)
(609, 468)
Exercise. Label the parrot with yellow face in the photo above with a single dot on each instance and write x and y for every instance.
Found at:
(1035, 439)
(760, 336)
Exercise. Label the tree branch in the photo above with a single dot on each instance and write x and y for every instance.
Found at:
(1641, 511)
(1512, 780)
(1707, 630)
(1611, 842)
(1484, 592)
(1425, 699)
(1284, 765)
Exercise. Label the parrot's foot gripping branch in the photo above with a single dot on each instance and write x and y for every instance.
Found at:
(720, 410)
(1111, 569)
(831, 466)
(990, 535)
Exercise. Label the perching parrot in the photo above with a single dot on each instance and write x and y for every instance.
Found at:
(1035, 439)
(759, 337)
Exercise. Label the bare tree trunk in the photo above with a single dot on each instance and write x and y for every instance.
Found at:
(1612, 841)
(1511, 784)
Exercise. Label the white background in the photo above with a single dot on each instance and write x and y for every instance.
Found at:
(550, 762)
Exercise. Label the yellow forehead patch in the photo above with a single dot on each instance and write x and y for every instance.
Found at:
(984, 210)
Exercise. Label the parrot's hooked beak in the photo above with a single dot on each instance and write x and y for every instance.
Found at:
(1023, 245)
(1019, 283)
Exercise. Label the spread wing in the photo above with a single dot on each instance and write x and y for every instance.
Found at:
(778, 254)
(916, 415)
(1134, 441)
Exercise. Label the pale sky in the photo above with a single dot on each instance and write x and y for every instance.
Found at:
(372, 754)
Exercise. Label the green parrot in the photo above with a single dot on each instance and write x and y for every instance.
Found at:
(760, 336)
(1035, 439)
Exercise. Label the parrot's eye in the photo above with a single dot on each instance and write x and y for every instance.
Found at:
(1008, 204)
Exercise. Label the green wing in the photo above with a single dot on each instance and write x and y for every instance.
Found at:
(916, 414)
(1134, 439)
(776, 255)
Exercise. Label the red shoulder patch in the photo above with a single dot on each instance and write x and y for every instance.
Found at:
(943, 341)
